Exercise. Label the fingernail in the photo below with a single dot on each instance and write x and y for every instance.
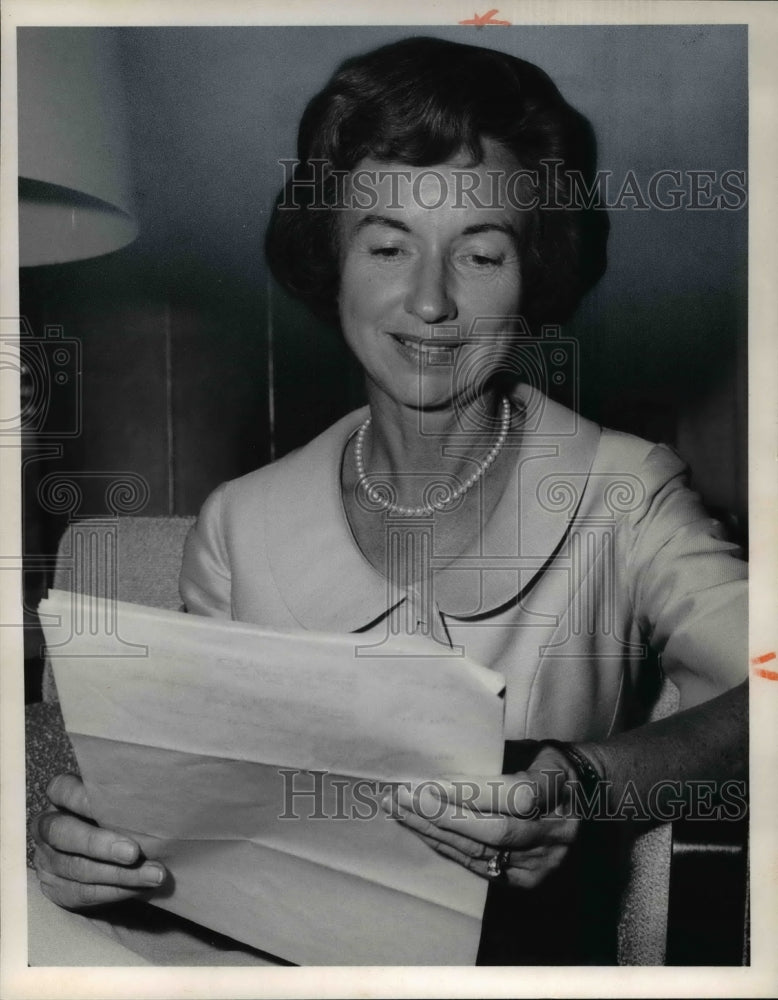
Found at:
(153, 874)
(391, 806)
(403, 797)
(124, 850)
(426, 799)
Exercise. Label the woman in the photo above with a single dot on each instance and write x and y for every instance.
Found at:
(432, 214)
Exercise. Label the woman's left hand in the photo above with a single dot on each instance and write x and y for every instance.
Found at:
(517, 827)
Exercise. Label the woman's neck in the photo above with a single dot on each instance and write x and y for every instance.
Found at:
(410, 451)
(404, 439)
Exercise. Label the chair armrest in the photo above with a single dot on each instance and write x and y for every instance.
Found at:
(708, 909)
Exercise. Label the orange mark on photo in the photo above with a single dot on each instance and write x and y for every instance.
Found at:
(479, 20)
(770, 675)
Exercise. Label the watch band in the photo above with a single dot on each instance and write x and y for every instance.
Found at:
(519, 754)
(585, 771)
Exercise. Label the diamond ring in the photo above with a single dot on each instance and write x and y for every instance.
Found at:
(497, 864)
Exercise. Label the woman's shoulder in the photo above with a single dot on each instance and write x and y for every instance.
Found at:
(632, 477)
(585, 449)
(244, 518)
(304, 469)
(619, 451)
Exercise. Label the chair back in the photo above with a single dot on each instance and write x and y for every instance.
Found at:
(134, 559)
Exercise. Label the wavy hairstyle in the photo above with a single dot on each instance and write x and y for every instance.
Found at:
(423, 101)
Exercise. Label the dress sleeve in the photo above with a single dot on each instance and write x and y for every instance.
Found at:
(205, 580)
(688, 583)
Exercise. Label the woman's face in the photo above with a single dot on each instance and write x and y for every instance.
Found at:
(430, 278)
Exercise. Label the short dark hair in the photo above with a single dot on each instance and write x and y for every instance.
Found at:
(422, 101)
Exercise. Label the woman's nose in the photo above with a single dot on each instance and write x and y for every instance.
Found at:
(429, 296)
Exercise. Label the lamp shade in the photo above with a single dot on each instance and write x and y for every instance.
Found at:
(75, 197)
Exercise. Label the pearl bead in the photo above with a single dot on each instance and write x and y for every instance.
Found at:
(376, 496)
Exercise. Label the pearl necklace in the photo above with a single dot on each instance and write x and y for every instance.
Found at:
(377, 496)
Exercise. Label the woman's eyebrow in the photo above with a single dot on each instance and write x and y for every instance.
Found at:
(479, 227)
(486, 227)
(381, 220)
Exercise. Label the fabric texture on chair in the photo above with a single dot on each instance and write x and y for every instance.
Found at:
(47, 753)
(642, 933)
(134, 559)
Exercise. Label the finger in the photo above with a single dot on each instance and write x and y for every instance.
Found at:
(524, 869)
(435, 835)
(493, 829)
(76, 868)
(77, 895)
(453, 853)
(479, 865)
(520, 871)
(524, 878)
(463, 848)
(68, 833)
(514, 876)
(68, 792)
(426, 812)
(522, 795)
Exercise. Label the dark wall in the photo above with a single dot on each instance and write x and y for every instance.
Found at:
(195, 368)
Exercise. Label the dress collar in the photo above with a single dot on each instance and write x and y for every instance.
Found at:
(328, 585)
(326, 582)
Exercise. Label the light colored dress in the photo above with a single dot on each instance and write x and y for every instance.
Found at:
(596, 562)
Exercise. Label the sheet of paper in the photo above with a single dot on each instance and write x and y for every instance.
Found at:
(252, 764)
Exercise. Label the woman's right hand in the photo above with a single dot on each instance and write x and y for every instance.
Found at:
(81, 865)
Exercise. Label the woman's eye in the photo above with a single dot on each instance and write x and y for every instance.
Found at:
(386, 252)
(483, 260)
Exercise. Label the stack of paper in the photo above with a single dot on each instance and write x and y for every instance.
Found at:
(251, 764)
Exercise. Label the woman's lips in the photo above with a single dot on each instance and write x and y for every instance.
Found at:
(433, 351)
